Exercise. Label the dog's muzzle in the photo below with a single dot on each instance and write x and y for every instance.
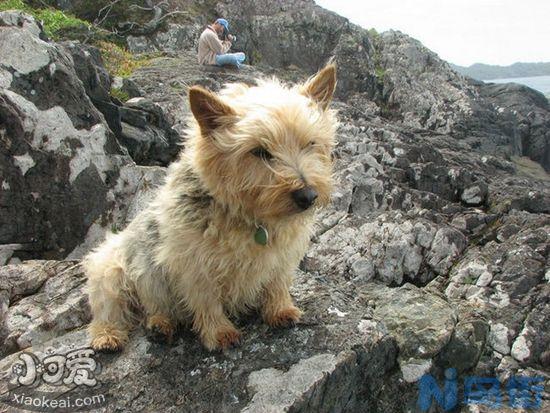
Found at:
(304, 197)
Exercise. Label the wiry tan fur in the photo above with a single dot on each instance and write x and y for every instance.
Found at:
(191, 255)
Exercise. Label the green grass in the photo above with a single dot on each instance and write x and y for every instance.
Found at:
(119, 61)
(380, 73)
(120, 94)
(54, 21)
(13, 5)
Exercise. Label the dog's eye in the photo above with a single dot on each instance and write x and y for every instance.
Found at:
(262, 153)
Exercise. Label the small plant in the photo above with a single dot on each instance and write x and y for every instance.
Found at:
(379, 73)
(55, 21)
(119, 61)
(114, 228)
(120, 94)
(255, 57)
(373, 33)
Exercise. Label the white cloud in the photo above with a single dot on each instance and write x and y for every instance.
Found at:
(461, 31)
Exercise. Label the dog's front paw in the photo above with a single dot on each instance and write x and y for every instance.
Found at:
(223, 338)
(108, 343)
(228, 337)
(107, 338)
(284, 317)
(160, 329)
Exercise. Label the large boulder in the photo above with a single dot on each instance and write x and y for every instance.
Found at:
(338, 356)
(59, 157)
(66, 180)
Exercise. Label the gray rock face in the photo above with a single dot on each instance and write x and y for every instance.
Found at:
(391, 249)
(525, 115)
(408, 313)
(175, 39)
(422, 89)
(134, 189)
(63, 165)
(146, 133)
(409, 83)
(337, 363)
(45, 300)
(139, 125)
(60, 157)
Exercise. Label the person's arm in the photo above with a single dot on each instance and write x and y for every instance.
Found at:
(216, 45)
(226, 46)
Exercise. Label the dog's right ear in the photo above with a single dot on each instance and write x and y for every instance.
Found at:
(209, 110)
(320, 87)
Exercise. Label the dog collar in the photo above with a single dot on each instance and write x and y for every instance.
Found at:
(261, 236)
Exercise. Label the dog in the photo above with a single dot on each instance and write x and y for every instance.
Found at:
(229, 226)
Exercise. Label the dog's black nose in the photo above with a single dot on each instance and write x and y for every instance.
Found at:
(304, 197)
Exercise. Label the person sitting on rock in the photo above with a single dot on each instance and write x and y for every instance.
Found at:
(213, 51)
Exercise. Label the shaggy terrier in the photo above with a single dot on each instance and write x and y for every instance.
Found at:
(230, 225)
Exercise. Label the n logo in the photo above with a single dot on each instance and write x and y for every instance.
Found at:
(429, 391)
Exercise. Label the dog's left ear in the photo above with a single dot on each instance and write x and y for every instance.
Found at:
(320, 87)
(209, 110)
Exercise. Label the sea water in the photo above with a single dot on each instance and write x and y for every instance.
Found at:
(540, 83)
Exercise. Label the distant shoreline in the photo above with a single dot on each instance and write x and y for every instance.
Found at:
(540, 83)
(485, 72)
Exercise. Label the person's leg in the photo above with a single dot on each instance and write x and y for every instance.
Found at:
(232, 59)
(241, 57)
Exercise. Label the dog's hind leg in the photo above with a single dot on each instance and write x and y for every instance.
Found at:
(109, 301)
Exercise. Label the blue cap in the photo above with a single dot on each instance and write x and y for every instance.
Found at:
(224, 23)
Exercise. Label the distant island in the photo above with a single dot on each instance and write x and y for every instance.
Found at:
(482, 71)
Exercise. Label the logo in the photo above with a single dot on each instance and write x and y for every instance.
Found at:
(522, 392)
(55, 382)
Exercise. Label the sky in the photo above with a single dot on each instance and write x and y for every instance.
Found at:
(497, 32)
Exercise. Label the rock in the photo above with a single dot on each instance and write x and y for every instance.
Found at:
(139, 124)
(395, 248)
(275, 390)
(24, 21)
(531, 345)
(88, 65)
(524, 114)
(134, 189)
(45, 300)
(165, 80)
(466, 345)
(475, 195)
(407, 313)
(175, 39)
(413, 369)
(498, 339)
(420, 88)
(147, 134)
(60, 156)
(363, 270)
(336, 363)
